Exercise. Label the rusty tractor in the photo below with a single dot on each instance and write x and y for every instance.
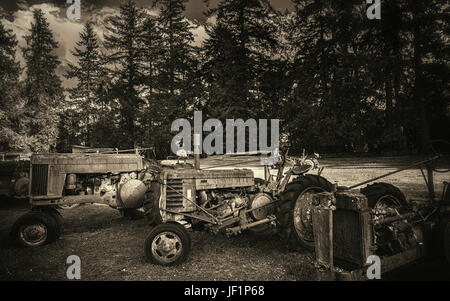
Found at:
(65, 180)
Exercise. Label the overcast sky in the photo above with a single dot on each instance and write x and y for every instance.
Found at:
(18, 16)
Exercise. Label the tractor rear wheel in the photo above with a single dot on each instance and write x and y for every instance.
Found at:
(168, 244)
(294, 214)
(34, 229)
(151, 204)
(383, 195)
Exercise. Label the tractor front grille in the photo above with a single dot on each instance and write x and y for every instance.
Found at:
(174, 194)
(39, 180)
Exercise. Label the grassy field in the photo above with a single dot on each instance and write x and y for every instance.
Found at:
(111, 247)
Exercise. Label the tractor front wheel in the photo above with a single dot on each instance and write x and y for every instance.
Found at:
(168, 244)
(295, 211)
(35, 229)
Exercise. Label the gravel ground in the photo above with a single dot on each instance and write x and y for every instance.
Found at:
(111, 247)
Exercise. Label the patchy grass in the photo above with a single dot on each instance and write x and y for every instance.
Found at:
(111, 247)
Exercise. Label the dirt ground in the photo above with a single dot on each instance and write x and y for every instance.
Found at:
(111, 247)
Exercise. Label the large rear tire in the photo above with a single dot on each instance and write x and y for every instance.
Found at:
(381, 195)
(168, 244)
(151, 204)
(294, 214)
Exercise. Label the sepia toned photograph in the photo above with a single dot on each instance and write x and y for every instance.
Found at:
(216, 141)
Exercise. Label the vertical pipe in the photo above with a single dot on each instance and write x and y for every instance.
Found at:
(430, 180)
(197, 151)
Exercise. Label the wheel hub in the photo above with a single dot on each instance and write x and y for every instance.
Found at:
(34, 234)
(167, 247)
(303, 214)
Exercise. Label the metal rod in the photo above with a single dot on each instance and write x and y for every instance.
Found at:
(394, 172)
(430, 181)
(262, 206)
(395, 218)
(237, 229)
(189, 215)
(234, 163)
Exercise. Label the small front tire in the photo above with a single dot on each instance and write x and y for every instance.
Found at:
(168, 244)
(34, 229)
(56, 215)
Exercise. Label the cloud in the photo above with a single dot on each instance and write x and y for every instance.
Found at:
(66, 32)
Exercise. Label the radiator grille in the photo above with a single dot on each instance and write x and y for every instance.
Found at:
(174, 194)
(40, 178)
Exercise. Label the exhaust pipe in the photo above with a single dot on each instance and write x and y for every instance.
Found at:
(197, 144)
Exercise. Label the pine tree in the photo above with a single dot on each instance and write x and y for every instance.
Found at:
(152, 56)
(330, 107)
(86, 107)
(43, 91)
(125, 58)
(177, 78)
(427, 25)
(11, 104)
(239, 58)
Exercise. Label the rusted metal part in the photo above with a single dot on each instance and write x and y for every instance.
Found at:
(388, 263)
(69, 200)
(238, 229)
(215, 219)
(392, 262)
(395, 218)
(353, 228)
(196, 216)
(322, 220)
(342, 231)
(430, 179)
(48, 171)
(285, 181)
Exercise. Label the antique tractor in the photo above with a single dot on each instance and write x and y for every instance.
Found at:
(225, 201)
(56, 180)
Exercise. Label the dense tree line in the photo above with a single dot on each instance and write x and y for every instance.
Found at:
(338, 81)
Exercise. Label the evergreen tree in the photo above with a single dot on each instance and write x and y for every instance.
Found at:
(85, 105)
(152, 56)
(43, 91)
(125, 58)
(177, 78)
(239, 59)
(12, 135)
